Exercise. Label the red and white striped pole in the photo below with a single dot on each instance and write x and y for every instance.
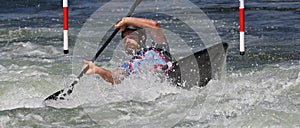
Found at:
(65, 13)
(242, 32)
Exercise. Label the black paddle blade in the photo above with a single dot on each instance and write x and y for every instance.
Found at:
(54, 96)
(62, 94)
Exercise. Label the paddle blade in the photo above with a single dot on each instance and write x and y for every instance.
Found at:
(54, 96)
(62, 94)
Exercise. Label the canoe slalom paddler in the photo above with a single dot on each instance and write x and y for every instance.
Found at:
(133, 32)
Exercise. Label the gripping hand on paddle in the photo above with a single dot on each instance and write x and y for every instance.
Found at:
(122, 24)
(93, 69)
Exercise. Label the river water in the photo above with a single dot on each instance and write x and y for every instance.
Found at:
(259, 89)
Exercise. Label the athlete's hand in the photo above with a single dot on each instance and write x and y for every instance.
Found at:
(93, 69)
(122, 24)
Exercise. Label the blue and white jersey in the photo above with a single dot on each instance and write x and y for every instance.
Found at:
(153, 57)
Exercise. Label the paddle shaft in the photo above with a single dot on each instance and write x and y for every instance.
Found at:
(136, 3)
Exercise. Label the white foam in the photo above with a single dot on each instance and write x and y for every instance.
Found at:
(3, 121)
(2, 68)
(272, 88)
(20, 100)
(298, 79)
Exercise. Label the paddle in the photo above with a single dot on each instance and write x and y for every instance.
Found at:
(67, 91)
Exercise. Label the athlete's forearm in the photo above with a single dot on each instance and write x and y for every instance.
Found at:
(105, 74)
(141, 22)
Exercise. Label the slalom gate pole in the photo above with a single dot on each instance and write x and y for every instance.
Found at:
(65, 20)
(242, 32)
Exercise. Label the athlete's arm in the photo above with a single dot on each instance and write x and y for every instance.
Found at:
(152, 26)
(109, 76)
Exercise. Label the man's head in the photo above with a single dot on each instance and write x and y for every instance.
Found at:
(134, 39)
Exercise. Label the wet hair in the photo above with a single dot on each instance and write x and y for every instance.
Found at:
(141, 32)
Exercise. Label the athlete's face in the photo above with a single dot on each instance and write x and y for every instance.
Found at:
(130, 40)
